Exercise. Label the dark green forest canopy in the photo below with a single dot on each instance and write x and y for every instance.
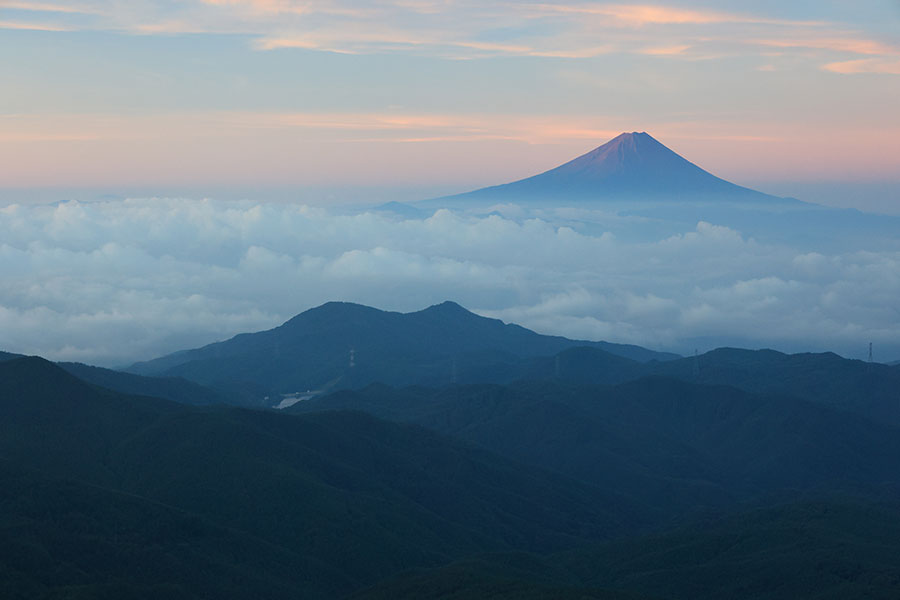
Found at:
(652, 488)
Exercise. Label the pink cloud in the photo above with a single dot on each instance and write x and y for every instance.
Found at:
(647, 14)
(47, 7)
(276, 7)
(853, 45)
(865, 65)
(32, 26)
(666, 50)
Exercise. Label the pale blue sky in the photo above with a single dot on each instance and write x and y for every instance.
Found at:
(340, 102)
(208, 94)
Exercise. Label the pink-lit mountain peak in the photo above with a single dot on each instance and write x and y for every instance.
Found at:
(631, 165)
(635, 153)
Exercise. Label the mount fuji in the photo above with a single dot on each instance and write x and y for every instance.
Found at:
(630, 166)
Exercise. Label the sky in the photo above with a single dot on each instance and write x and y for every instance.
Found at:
(229, 98)
(173, 173)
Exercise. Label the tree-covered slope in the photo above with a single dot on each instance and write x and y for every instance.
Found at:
(366, 497)
(680, 446)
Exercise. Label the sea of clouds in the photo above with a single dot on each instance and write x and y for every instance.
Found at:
(113, 282)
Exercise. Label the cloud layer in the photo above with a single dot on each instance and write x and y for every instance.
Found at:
(460, 29)
(113, 282)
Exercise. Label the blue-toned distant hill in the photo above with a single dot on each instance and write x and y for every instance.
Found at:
(435, 346)
(630, 166)
(868, 389)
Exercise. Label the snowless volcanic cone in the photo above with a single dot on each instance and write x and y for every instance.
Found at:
(631, 165)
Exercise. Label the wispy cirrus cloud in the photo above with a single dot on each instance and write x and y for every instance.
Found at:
(71, 8)
(837, 44)
(666, 50)
(47, 16)
(463, 29)
(32, 26)
(865, 65)
(293, 7)
(639, 15)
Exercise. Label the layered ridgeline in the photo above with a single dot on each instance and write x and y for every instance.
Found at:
(344, 345)
(678, 447)
(348, 346)
(630, 166)
(868, 389)
(108, 495)
(446, 344)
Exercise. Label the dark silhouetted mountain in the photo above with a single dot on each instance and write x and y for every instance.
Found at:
(108, 495)
(54, 422)
(815, 550)
(690, 447)
(176, 389)
(313, 350)
(868, 389)
(361, 498)
(498, 577)
(67, 539)
(631, 165)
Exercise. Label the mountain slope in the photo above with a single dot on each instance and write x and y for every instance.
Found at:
(631, 165)
(175, 389)
(365, 497)
(106, 495)
(313, 350)
(690, 447)
(8, 356)
(825, 550)
(67, 539)
(871, 390)
(815, 550)
(868, 389)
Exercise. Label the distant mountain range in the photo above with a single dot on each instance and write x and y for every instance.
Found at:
(630, 166)
(446, 344)
(345, 345)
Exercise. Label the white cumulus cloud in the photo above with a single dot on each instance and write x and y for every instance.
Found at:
(114, 282)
